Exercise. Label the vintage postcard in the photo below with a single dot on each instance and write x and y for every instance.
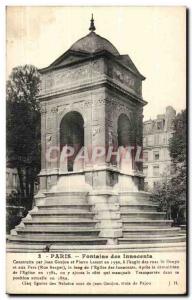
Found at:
(96, 150)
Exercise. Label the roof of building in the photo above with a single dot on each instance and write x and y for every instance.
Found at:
(162, 122)
(93, 43)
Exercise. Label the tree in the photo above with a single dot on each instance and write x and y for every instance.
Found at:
(171, 194)
(177, 144)
(178, 147)
(23, 127)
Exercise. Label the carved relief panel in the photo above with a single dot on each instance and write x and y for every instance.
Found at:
(125, 78)
(71, 77)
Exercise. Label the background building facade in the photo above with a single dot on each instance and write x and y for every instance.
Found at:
(156, 135)
(12, 180)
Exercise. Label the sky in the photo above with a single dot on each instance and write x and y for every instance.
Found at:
(154, 38)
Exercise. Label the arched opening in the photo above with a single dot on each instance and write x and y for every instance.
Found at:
(124, 131)
(72, 134)
(124, 134)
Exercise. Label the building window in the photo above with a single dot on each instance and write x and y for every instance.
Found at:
(156, 141)
(145, 170)
(156, 155)
(145, 141)
(164, 139)
(145, 156)
(155, 184)
(7, 178)
(146, 186)
(155, 170)
(159, 125)
(14, 180)
(150, 140)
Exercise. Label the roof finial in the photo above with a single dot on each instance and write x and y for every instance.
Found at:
(92, 26)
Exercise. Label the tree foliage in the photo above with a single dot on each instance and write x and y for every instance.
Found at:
(171, 194)
(177, 144)
(23, 126)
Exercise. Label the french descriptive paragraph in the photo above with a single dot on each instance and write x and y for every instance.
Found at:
(79, 271)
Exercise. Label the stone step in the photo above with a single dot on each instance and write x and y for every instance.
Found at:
(138, 207)
(58, 231)
(142, 215)
(63, 216)
(57, 227)
(144, 247)
(152, 231)
(66, 198)
(152, 235)
(69, 223)
(126, 201)
(151, 239)
(135, 196)
(58, 201)
(65, 207)
(51, 236)
(61, 212)
(149, 227)
(134, 222)
(183, 228)
(71, 194)
(55, 239)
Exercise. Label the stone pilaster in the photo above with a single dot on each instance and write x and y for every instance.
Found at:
(43, 148)
(53, 147)
(55, 138)
(43, 136)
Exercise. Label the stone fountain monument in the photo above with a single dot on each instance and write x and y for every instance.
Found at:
(91, 99)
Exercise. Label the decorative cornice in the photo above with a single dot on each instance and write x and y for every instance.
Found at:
(106, 82)
(87, 57)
